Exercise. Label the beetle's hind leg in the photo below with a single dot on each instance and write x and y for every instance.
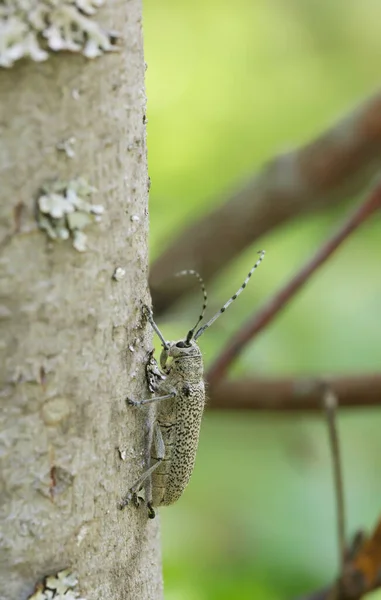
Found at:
(145, 479)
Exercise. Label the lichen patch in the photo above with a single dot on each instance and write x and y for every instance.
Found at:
(60, 586)
(30, 28)
(64, 210)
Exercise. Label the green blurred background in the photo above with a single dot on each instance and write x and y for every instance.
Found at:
(229, 85)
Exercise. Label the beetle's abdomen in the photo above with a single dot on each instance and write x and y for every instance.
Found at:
(180, 432)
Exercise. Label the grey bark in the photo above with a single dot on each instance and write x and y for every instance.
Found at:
(72, 339)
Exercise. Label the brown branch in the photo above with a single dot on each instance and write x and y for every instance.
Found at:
(265, 315)
(362, 573)
(335, 166)
(291, 395)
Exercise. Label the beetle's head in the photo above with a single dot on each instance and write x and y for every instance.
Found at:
(179, 350)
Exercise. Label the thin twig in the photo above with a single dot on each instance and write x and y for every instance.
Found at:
(268, 312)
(330, 406)
(336, 166)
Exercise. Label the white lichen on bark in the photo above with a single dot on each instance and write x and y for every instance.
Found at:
(119, 274)
(30, 28)
(61, 586)
(63, 211)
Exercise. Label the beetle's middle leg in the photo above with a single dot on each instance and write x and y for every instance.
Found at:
(149, 400)
(159, 446)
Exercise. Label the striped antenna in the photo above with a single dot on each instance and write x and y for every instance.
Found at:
(229, 302)
(202, 285)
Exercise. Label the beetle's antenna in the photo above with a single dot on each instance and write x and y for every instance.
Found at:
(228, 303)
(202, 285)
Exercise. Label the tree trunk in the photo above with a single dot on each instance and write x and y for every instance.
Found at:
(72, 341)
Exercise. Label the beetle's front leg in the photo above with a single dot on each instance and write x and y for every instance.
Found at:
(154, 375)
(149, 315)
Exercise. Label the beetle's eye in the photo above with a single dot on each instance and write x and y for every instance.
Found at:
(181, 345)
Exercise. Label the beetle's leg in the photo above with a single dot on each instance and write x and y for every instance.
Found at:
(160, 455)
(159, 447)
(149, 400)
(137, 499)
(154, 375)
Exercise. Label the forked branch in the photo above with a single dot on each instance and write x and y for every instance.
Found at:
(271, 308)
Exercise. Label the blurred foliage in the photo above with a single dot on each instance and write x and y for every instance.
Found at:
(229, 85)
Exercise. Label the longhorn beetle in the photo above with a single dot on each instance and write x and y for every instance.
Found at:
(180, 398)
